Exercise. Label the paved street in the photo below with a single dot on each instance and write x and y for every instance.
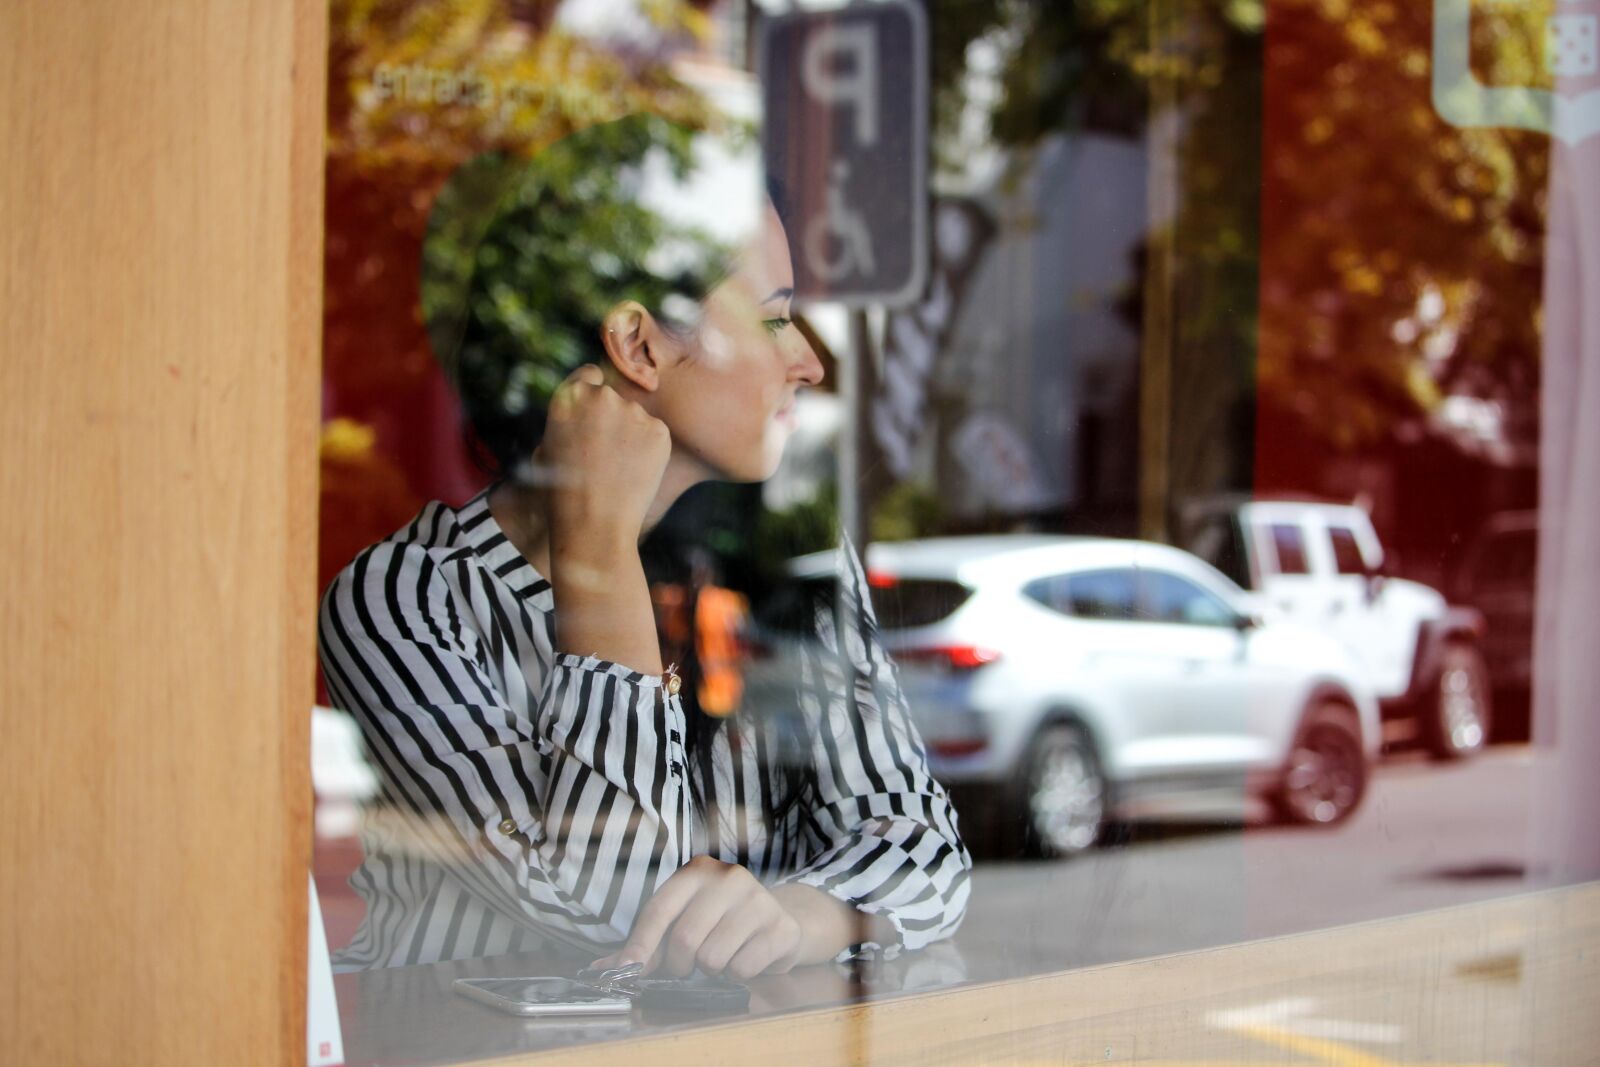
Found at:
(1427, 836)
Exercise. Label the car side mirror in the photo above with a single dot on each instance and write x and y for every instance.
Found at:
(1246, 621)
(1376, 573)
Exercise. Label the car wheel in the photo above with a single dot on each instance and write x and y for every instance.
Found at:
(1064, 797)
(1457, 715)
(1325, 775)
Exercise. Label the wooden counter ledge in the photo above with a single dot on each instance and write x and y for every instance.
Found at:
(1508, 981)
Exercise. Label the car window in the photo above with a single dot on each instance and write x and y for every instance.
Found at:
(1109, 594)
(792, 607)
(902, 603)
(897, 603)
(1106, 594)
(1219, 542)
(1347, 558)
(1169, 598)
(1289, 544)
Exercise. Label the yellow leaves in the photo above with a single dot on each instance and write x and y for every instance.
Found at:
(1357, 274)
(1249, 15)
(1365, 35)
(1420, 385)
(1508, 43)
(1363, 281)
(1318, 130)
(430, 85)
(674, 15)
(346, 441)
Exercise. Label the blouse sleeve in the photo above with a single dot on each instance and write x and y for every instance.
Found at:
(574, 855)
(887, 837)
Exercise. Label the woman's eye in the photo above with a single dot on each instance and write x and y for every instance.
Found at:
(775, 326)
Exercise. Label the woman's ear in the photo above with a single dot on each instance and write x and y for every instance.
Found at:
(634, 343)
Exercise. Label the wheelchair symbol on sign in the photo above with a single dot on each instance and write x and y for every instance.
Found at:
(841, 228)
(839, 69)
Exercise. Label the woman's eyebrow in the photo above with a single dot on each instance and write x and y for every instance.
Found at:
(779, 294)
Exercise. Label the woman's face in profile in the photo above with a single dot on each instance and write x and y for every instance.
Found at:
(730, 401)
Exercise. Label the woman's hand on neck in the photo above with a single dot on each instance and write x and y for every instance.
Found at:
(598, 582)
(615, 472)
(522, 511)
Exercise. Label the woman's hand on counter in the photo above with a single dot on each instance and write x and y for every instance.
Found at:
(718, 917)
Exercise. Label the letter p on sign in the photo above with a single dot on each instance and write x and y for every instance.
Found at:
(845, 95)
(839, 67)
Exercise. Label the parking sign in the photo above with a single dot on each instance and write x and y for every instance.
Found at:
(845, 95)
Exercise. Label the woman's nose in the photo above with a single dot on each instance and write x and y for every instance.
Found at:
(809, 367)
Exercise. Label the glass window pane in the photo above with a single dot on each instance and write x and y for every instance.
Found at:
(1347, 558)
(1152, 275)
(1170, 598)
(1220, 542)
(1109, 594)
(903, 603)
(1289, 543)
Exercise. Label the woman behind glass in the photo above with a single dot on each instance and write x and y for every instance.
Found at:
(542, 778)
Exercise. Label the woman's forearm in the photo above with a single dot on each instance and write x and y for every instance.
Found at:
(602, 598)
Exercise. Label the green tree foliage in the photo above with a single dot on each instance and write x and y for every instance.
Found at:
(414, 91)
(398, 126)
(524, 258)
(1398, 257)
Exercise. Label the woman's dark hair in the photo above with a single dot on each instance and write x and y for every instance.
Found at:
(524, 258)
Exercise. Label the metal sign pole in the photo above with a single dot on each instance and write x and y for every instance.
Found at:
(853, 399)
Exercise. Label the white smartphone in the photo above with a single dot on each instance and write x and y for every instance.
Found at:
(543, 996)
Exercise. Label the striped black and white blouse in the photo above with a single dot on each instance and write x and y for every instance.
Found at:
(529, 794)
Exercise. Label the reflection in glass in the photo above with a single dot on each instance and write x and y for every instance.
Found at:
(546, 782)
(1185, 264)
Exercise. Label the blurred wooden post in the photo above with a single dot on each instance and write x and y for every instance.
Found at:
(1156, 342)
(1566, 730)
(160, 294)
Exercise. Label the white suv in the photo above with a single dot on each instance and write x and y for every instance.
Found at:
(1321, 564)
(1082, 678)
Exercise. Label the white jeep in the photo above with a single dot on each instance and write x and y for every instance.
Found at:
(1322, 565)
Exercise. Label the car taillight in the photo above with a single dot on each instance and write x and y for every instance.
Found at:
(949, 657)
(882, 580)
(951, 747)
